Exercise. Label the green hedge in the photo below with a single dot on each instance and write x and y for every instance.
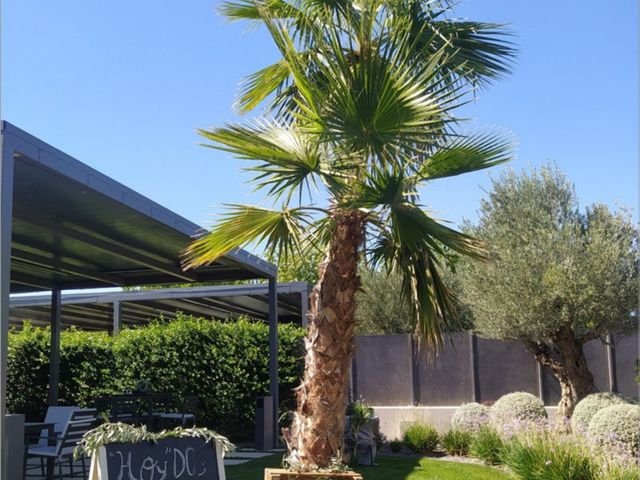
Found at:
(225, 364)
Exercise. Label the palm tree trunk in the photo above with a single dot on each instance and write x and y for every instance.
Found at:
(315, 438)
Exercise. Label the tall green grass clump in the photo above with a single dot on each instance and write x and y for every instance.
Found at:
(487, 445)
(456, 442)
(544, 456)
(420, 437)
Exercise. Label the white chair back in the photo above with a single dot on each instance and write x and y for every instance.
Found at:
(59, 415)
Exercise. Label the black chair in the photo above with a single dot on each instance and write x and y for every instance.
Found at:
(125, 409)
(80, 422)
(157, 405)
(185, 416)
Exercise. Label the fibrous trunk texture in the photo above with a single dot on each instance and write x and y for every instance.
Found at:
(568, 364)
(315, 437)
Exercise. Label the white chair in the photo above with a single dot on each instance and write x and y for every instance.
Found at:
(79, 423)
(59, 416)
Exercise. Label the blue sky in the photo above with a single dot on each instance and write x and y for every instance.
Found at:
(122, 86)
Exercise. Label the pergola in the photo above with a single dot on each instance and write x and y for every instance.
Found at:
(65, 226)
(112, 310)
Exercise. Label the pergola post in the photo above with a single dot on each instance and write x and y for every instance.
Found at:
(117, 313)
(273, 354)
(6, 210)
(54, 351)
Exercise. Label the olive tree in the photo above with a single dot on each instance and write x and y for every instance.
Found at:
(382, 309)
(558, 277)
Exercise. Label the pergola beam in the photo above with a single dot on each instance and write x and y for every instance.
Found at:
(104, 245)
(27, 281)
(68, 319)
(65, 267)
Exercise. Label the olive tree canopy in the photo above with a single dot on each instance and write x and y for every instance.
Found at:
(559, 277)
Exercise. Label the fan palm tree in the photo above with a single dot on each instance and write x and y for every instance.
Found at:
(360, 115)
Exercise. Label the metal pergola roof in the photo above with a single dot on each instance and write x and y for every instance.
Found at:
(74, 227)
(64, 225)
(113, 310)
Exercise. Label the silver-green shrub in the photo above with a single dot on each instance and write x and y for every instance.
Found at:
(617, 425)
(590, 405)
(517, 407)
(469, 417)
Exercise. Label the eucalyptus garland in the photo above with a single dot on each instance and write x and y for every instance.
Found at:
(124, 433)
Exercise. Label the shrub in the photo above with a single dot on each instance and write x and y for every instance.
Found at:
(224, 363)
(87, 366)
(395, 445)
(617, 425)
(420, 437)
(28, 371)
(456, 442)
(487, 445)
(590, 405)
(517, 407)
(545, 456)
(470, 417)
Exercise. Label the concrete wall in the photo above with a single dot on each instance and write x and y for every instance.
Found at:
(393, 419)
(388, 370)
(384, 360)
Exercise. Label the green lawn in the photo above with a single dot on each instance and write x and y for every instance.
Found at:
(388, 468)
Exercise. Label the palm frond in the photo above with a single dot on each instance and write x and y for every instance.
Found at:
(288, 157)
(409, 242)
(476, 52)
(481, 52)
(467, 154)
(236, 10)
(282, 234)
(381, 103)
(379, 188)
(412, 224)
(305, 89)
(429, 299)
(258, 86)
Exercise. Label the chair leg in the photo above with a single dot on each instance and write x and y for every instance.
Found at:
(71, 467)
(60, 476)
(42, 467)
(50, 468)
(85, 474)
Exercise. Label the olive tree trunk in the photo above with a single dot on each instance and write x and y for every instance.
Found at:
(565, 358)
(316, 434)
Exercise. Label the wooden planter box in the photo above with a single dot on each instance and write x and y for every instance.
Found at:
(279, 474)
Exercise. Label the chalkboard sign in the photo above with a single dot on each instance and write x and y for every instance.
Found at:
(187, 458)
